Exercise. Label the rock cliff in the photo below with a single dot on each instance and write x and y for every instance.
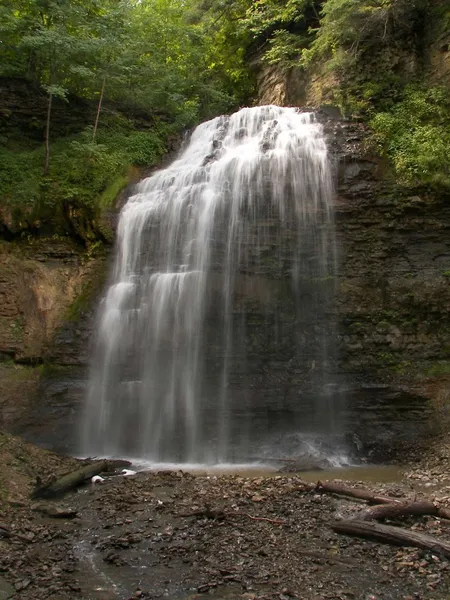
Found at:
(46, 289)
(392, 305)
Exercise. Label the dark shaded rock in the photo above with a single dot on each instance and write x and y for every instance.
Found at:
(6, 589)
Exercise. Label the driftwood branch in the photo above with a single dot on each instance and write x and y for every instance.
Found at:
(330, 487)
(401, 509)
(392, 535)
(395, 507)
(363, 525)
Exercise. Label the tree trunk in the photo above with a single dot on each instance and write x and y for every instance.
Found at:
(392, 535)
(99, 108)
(47, 134)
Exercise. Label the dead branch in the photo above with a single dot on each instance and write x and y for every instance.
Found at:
(405, 506)
(399, 509)
(330, 487)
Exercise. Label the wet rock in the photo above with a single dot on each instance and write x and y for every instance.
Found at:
(22, 585)
(6, 589)
(57, 512)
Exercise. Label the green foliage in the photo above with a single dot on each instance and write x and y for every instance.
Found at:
(285, 48)
(349, 29)
(83, 174)
(154, 57)
(140, 148)
(112, 191)
(20, 178)
(415, 133)
(146, 52)
(221, 24)
(266, 16)
(242, 23)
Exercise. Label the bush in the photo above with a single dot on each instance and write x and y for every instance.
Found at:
(83, 174)
(415, 135)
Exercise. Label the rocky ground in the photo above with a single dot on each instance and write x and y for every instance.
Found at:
(179, 535)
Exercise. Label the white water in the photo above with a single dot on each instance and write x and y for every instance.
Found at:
(242, 215)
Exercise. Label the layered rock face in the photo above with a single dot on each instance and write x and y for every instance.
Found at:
(394, 298)
(393, 304)
(46, 287)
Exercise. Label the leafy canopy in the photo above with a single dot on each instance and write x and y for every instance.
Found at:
(160, 59)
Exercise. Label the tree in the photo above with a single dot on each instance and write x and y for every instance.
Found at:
(49, 45)
(154, 63)
(46, 33)
(350, 28)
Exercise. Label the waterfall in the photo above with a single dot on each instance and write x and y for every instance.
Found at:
(217, 315)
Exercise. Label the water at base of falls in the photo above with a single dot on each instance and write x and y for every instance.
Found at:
(215, 335)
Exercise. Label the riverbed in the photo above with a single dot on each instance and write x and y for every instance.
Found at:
(181, 535)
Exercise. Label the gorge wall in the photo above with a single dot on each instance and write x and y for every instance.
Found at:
(395, 241)
(392, 306)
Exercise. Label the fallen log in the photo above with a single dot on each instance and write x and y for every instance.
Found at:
(330, 487)
(405, 507)
(69, 481)
(389, 534)
(400, 509)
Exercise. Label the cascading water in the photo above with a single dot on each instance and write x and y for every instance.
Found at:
(223, 276)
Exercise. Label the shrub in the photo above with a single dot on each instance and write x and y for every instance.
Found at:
(415, 134)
